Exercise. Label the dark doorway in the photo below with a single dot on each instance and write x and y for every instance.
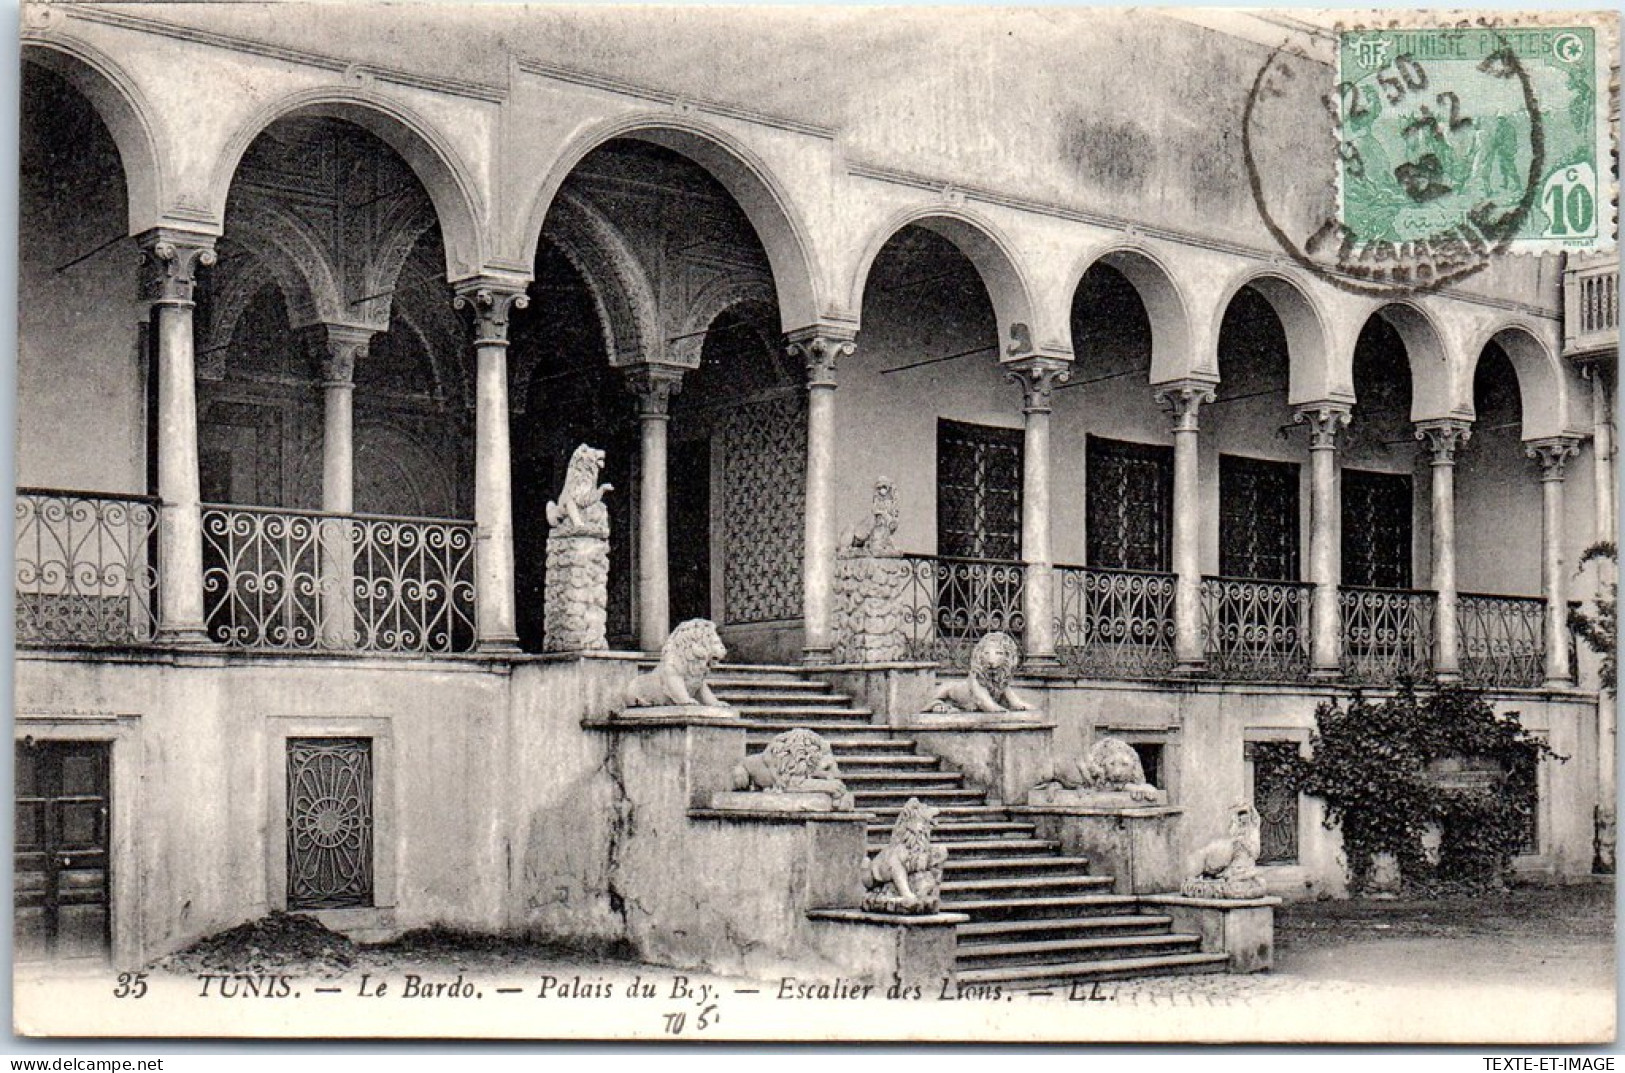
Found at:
(1258, 519)
(1376, 529)
(63, 906)
(1130, 505)
(688, 532)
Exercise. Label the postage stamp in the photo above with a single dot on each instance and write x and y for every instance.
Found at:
(1447, 132)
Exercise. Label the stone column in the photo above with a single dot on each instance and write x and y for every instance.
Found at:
(1602, 449)
(1037, 378)
(654, 385)
(1553, 454)
(1324, 419)
(1183, 399)
(171, 259)
(821, 348)
(490, 303)
(1443, 437)
(342, 347)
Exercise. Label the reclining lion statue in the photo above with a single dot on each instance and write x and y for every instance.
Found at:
(797, 761)
(685, 660)
(906, 876)
(993, 663)
(1111, 766)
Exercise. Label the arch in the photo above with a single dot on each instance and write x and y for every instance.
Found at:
(1544, 382)
(621, 291)
(1435, 392)
(1311, 377)
(123, 111)
(1172, 357)
(402, 227)
(741, 172)
(715, 298)
(436, 164)
(989, 252)
(296, 259)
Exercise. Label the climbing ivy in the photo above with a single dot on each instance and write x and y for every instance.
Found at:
(1369, 763)
(1599, 630)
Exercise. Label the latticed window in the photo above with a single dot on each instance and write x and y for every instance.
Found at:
(1130, 505)
(329, 823)
(1258, 519)
(1269, 767)
(1376, 529)
(978, 491)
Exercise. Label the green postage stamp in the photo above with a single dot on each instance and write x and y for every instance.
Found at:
(1490, 136)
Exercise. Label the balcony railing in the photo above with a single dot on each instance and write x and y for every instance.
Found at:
(85, 570)
(301, 580)
(1387, 634)
(1591, 307)
(1114, 623)
(1256, 630)
(1503, 639)
(949, 604)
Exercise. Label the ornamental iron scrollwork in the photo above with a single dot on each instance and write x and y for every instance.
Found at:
(1275, 799)
(1256, 630)
(85, 568)
(1503, 640)
(330, 823)
(765, 477)
(949, 604)
(1115, 623)
(1388, 634)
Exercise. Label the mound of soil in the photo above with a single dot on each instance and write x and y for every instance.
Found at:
(278, 943)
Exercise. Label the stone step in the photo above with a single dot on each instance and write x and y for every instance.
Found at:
(1052, 951)
(1016, 887)
(1112, 969)
(896, 798)
(946, 816)
(954, 830)
(1048, 906)
(986, 849)
(865, 763)
(848, 746)
(754, 670)
(764, 699)
(869, 781)
(968, 865)
(994, 931)
(774, 683)
(826, 729)
(819, 713)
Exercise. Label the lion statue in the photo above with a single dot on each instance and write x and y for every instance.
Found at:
(580, 507)
(1228, 867)
(679, 678)
(797, 761)
(1111, 765)
(873, 536)
(906, 876)
(993, 663)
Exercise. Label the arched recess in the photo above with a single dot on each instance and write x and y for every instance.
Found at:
(744, 175)
(1545, 383)
(445, 177)
(716, 298)
(122, 110)
(620, 289)
(989, 252)
(1311, 377)
(295, 258)
(1435, 393)
(1172, 356)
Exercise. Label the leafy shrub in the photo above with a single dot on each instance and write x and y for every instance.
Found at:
(1599, 631)
(1369, 764)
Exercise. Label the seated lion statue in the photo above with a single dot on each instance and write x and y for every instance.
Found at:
(679, 678)
(1228, 867)
(797, 761)
(874, 535)
(1110, 765)
(906, 876)
(580, 507)
(993, 663)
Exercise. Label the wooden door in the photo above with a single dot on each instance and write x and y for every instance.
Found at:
(63, 908)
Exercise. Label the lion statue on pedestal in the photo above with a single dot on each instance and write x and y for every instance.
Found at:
(580, 507)
(1111, 765)
(1228, 867)
(906, 876)
(874, 535)
(687, 657)
(993, 663)
(797, 761)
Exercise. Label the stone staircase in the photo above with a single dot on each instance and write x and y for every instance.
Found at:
(1036, 917)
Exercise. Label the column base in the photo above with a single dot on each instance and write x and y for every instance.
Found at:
(821, 656)
(1038, 662)
(1558, 683)
(183, 636)
(1325, 674)
(1189, 668)
(1447, 677)
(498, 646)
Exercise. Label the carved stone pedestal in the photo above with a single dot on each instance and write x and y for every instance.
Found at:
(870, 614)
(1003, 754)
(577, 594)
(1133, 844)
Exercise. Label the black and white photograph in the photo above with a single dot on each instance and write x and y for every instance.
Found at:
(815, 523)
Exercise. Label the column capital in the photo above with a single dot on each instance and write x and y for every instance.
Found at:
(1325, 420)
(1182, 399)
(1444, 436)
(654, 385)
(490, 302)
(338, 348)
(170, 260)
(821, 347)
(1037, 377)
(1553, 454)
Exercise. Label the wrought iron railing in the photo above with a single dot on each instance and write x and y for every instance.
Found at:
(85, 567)
(1388, 634)
(1256, 630)
(1114, 623)
(303, 580)
(949, 604)
(1503, 639)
